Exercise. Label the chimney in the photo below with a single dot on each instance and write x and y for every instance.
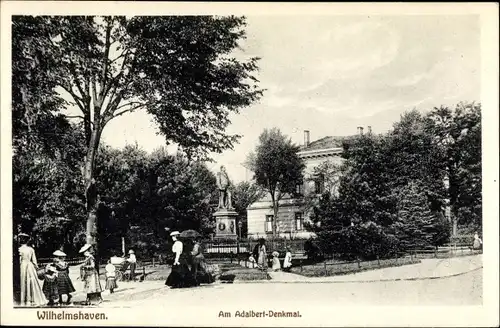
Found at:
(369, 129)
(306, 138)
(360, 130)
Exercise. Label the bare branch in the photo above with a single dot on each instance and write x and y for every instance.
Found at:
(128, 110)
(75, 77)
(130, 103)
(78, 100)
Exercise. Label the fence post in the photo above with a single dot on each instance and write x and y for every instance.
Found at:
(153, 261)
(301, 265)
(378, 260)
(359, 263)
(326, 271)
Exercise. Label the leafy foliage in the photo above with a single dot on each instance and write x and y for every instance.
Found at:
(180, 69)
(245, 193)
(394, 188)
(276, 165)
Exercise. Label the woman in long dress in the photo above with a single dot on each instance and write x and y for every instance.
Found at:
(90, 277)
(262, 260)
(181, 276)
(199, 266)
(31, 291)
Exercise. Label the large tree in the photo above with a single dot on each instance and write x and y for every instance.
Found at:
(179, 69)
(277, 167)
(457, 134)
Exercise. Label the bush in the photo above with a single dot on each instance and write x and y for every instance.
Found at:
(313, 250)
(366, 242)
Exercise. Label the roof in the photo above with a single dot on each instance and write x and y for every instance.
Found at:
(326, 143)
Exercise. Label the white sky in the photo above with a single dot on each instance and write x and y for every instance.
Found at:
(331, 74)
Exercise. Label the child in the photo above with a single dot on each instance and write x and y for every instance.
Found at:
(110, 277)
(276, 261)
(50, 287)
(287, 263)
(64, 284)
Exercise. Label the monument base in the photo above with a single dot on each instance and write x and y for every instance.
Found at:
(225, 224)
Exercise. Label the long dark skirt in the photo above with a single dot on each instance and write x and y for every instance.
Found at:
(181, 276)
(64, 284)
(50, 288)
(201, 274)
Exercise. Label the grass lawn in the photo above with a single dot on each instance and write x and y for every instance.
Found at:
(342, 268)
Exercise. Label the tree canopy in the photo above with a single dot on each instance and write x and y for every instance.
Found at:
(277, 167)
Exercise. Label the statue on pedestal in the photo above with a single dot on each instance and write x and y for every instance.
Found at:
(224, 185)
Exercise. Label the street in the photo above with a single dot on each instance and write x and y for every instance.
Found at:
(465, 289)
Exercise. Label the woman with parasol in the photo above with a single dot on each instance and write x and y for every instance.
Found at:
(199, 266)
(181, 276)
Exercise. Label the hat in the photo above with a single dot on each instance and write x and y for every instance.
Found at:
(58, 253)
(175, 233)
(22, 234)
(85, 248)
(51, 268)
(131, 251)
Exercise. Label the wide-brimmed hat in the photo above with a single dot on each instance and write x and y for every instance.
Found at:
(22, 234)
(131, 251)
(175, 233)
(85, 247)
(59, 253)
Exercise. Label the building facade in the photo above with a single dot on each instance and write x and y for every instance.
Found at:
(291, 214)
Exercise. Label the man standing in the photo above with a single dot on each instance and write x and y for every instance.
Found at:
(223, 184)
(133, 262)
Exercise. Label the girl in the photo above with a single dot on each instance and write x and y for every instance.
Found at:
(64, 284)
(276, 261)
(50, 287)
(90, 277)
(31, 291)
(110, 277)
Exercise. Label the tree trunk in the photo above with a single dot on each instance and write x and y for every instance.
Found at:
(91, 190)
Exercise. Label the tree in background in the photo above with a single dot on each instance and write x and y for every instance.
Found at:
(179, 69)
(245, 193)
(457, 134)
(277, 167)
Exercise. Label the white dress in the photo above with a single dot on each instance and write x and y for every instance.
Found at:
(288, 260)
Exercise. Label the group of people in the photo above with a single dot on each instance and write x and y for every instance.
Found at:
(189, 268)
(47, 285)
(259, 258)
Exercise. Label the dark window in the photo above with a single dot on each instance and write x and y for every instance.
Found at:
(299, 221)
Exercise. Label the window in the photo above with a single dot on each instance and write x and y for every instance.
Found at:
(299, 221)
(269, 223)
(319, 184)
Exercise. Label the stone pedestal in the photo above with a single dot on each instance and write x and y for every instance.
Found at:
(225, 221)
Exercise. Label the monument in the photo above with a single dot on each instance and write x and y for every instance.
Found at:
(225, 217)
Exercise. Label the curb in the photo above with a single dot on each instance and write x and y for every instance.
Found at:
(349, 281)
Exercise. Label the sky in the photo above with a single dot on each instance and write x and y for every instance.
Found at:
(330, 74)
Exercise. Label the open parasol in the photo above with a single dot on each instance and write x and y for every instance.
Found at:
(189, 234)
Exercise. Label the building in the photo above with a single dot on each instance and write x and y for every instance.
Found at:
(291, 216)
